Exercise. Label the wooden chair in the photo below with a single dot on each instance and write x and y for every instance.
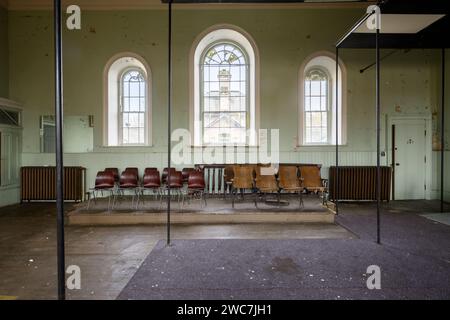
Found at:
(312, 180)
(289, 181)
(242, 180)
(266, 182)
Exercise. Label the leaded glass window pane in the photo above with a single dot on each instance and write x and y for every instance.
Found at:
(316, 107)
(133, 107)
(224, 97)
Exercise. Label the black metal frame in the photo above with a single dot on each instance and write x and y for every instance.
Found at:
(169, 126)
(378, 114)
(426, 38)
(423, 40)
(59, 151)
(442, 126)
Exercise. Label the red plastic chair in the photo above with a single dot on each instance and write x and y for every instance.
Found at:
(176, 186)
(104, 182)
(128, 182)
(185, 172)
(133, 170)
(115, 172)
(151, 182)
(166, 173)
(196, 186)
(148, 170)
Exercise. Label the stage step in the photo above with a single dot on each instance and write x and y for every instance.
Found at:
(147, 218)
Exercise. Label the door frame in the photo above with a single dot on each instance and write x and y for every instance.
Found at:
(428, 146)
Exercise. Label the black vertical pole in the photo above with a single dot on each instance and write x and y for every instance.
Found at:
(59, 150)
(336, 186)
(169, 126)
(442, 129)
(378, 125)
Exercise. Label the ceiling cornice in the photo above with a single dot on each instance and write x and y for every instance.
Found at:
(106, 5)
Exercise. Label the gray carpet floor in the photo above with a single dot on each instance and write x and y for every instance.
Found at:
(414, 259)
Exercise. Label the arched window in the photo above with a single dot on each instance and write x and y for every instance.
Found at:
(317, 107)
(224, 90)
(127, 102)
(317, 101)
(133, 107)
(224, 100)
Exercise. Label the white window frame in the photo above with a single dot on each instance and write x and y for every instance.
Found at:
(326, 61)
(328, 110)
(121, 112)
(218, 33)
(247, 86)
(114, 69)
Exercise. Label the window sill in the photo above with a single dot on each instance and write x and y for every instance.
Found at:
(319, 146)
(127, 146)
(223, 146)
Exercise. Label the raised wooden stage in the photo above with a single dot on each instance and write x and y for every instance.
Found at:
(217, 211)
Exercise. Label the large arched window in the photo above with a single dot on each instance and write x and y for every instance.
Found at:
(224, 99)
(317, 101)
(127, 102)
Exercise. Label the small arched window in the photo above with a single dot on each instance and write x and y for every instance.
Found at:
(127, 101)
(317, 107)
(224, 100)
(133, 107)
(320, 108)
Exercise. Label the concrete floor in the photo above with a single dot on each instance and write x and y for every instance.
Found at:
(108, 256)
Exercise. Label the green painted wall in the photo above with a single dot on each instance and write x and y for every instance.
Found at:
(284, 38)
(4, 60)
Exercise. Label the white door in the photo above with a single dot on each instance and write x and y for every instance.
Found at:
(410, 159)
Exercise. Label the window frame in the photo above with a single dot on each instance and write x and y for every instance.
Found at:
(326, 60)
(329, 105)
(204, 39)
(202, 96)
(111, 86)
(120, 113)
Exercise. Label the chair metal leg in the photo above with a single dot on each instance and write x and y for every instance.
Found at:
(279, 198)
(136, 193)
(109, 200)
(301, 205)
(204, 198)
(114, 200)
(233, 193)
(89, 201)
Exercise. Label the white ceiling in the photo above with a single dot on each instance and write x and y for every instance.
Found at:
(402, 23)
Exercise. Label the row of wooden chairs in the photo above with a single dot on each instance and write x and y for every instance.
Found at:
(263, 179)
(109, 181)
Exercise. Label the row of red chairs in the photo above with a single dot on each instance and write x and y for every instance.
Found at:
(185, 172)
(110, 181)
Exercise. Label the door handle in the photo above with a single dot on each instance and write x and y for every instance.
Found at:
(397, 164)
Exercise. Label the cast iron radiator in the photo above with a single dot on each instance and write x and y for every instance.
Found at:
(359, 183)
(39, 183)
